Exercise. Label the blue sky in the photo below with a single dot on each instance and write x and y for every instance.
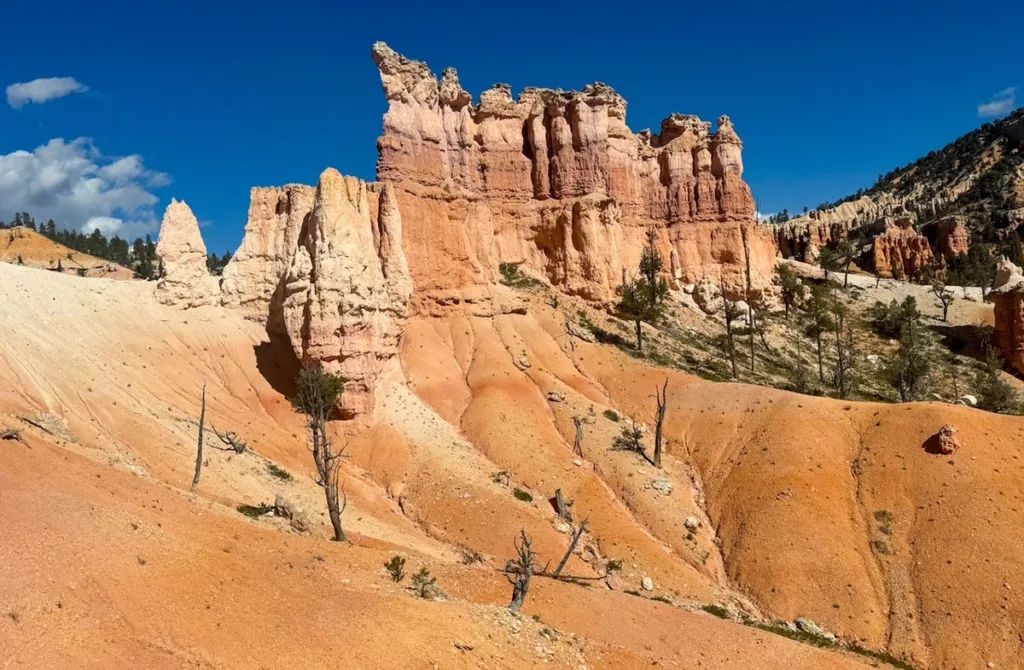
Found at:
(206, 100)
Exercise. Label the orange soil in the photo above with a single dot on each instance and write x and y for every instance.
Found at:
(38, 251)
(108, 559)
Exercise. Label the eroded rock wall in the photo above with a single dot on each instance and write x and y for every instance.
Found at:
(899, 245)
(557, 180)
(1007, 297)
(347, 288)
(255, 272)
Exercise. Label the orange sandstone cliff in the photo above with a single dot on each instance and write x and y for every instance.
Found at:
(553, 180)
(557, 181)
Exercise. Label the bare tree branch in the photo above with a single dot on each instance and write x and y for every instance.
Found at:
(199, 448)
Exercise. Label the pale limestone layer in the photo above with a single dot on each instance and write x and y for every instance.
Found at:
(186, 281)
(347, 288)
(256, 271)
(557, 181)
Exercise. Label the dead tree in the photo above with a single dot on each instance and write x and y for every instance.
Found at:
(230, 438)
(662, 399)
(519, 571)
(577, 445)
(199, 448)
(317, 398)
(577, 534)
(562, 507)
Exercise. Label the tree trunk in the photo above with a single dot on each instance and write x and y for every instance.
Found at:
(659, 433)
(752, 327)
(639, 337)
(519, 591)
(846, 275)
(327, 470)
(561, 508)
(572, 546)
(334, 510)
(821, 365)
(199, 449)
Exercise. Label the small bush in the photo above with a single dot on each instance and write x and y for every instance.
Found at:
(11, 434)
(469, 557)
(611, 415)
(522, 495)
(798, 635)
(425, 586)
(80, 271)
(255, 511)
(613, 565)
(884, 519)
(716, 610)
(881, 547)
(396, 568)
(511, 276)
(279, 472)
(895, 319)
(994, 394)
(882, 656)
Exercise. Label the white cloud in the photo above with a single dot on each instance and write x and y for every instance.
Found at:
(42, 90)
(105, 224)
(1001, 103)
(74, 184)
(762, 216)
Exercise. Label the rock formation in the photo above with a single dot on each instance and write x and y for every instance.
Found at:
(553, 180)
(1007, 296)
(947, 439)
(557, 180)
(255, 273)
(347, 288)
(902, 246)
(186, 281)
(953, 237)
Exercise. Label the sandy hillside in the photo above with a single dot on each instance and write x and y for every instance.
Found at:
(37, 251)
(112, 561)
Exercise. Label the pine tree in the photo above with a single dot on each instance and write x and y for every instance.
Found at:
(643, 299)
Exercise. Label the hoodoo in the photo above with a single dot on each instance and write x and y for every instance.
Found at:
(186, 281)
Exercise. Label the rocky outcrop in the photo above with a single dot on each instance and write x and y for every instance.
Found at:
(1007, 297)
(900, 245)
(947, 440)
(347, 288)
(255, 273)
(954, 238)
(557, 181)
(186, 281)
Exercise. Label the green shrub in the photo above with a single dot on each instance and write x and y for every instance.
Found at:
(279, 472)
(522, 495)
(716, 610)
(511, 276)
(611, 415)
(255, 511)
(881, 547)
(892, 321)
(396, 568)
